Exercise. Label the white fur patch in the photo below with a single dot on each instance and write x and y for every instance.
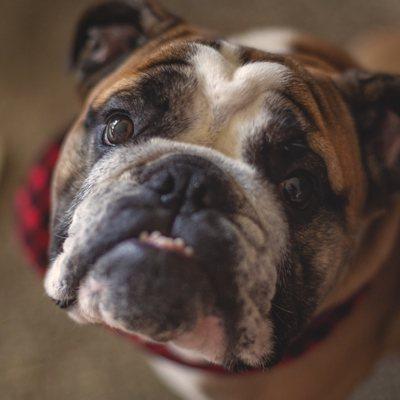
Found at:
(54, 282)
(233, 94)
(231, 88)
(272, 40)
(184, 381)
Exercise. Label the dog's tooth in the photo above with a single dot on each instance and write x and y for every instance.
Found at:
(166, 242)
(179, 242)
(144, 235)
(188, 251)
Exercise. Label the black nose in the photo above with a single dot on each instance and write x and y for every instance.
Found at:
(189, 183)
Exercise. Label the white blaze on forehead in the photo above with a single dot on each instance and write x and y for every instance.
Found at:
(231, 87)
(235, 94)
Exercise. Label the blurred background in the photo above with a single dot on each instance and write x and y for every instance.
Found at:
(43, 355)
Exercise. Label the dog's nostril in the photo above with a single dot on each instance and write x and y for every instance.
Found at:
(163, 183)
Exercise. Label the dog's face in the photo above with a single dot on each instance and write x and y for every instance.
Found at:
(209, 195)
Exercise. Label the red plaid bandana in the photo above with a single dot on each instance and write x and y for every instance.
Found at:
(33, 212)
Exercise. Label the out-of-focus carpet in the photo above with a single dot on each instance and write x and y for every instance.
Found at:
(44, 356)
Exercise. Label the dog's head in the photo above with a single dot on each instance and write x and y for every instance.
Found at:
(211, 195)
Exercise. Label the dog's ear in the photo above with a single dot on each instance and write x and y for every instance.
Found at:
(109, 31)
(374, 100)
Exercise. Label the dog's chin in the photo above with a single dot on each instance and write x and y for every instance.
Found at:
(205, 341)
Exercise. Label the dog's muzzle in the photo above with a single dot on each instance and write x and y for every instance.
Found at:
(158, 258)
(175, 243)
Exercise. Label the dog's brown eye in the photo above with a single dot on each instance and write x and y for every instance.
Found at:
(119, 130)
(298, 190)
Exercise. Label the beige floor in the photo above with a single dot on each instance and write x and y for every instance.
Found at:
(42, 354)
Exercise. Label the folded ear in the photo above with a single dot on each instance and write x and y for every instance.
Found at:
(111, 30)
(374, 100)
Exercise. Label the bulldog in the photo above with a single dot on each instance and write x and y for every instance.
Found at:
(216, 198)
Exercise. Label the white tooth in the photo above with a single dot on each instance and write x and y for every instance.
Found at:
(144, 235)
(166, 242)
(188, 251)
(180, 242)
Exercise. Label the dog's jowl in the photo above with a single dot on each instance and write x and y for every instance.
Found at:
(215, 197)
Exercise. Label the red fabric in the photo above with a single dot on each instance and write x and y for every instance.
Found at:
(33, 208)
(33, 212)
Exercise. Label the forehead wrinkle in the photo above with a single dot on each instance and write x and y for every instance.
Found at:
(278, 120)
(119, 99)
(291, 114)
(331, 134)
(305, 92)
(102, 97)
(158, 50)
(338, 145)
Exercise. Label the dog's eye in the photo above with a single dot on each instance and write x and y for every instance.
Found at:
(119, 130)
(298, 190)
